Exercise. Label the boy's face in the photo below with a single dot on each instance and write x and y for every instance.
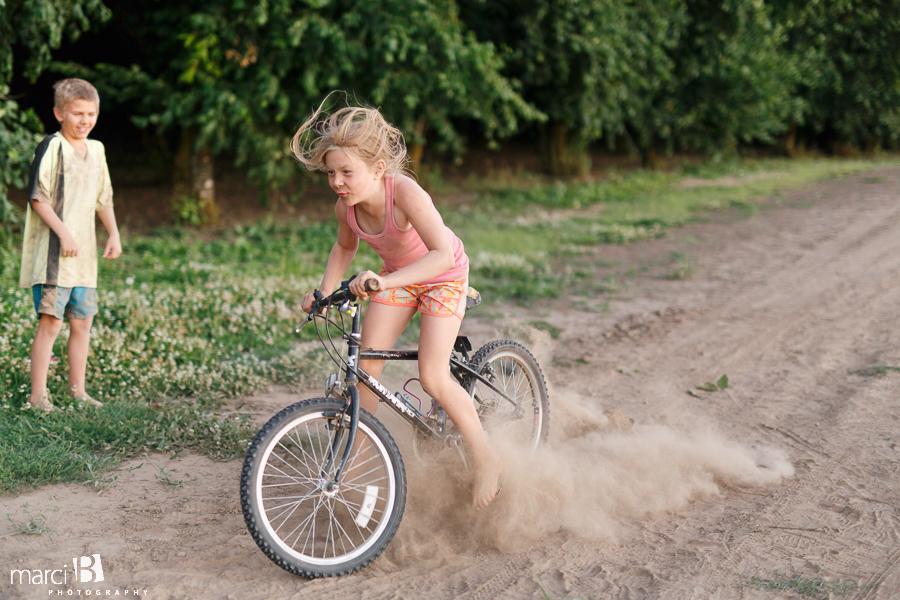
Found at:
(77, 119)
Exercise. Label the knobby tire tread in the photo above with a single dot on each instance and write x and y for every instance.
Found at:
(246, 485)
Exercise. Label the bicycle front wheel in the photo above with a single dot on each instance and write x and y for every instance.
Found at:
(299, 516)
(524, 414)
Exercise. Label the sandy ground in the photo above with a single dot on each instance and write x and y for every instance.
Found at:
(792, 469)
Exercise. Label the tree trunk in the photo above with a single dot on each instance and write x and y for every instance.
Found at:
(790, 140)
(565, 154)
(204, 185)
(194, 189)
(649, 157)
(417, 148)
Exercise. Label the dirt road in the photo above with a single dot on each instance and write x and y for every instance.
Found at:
(791, 471)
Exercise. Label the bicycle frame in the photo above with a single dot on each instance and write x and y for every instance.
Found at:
(354, 374)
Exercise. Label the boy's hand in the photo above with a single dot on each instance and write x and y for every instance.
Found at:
(113, 247)
(67, 243)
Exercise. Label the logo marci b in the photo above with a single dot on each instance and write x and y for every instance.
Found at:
(91, 569)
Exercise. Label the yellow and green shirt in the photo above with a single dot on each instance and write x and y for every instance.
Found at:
(77, 188)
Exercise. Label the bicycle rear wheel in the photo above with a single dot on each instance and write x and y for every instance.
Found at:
(511, 368)
(298, 516)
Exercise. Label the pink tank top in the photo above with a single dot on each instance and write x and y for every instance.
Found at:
(399, 248)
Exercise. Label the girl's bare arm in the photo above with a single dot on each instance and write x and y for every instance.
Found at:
(339, 258)
(416, 205)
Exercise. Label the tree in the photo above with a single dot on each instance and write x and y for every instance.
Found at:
(593, 66)
(235, 77)
(848, 61)
(34, 28)
(734, 83)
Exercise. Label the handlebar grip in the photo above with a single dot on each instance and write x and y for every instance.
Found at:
(372, 285)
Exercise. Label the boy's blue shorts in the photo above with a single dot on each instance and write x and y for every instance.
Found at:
(61, 302)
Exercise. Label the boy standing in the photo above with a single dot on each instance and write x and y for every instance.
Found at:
(69, 182)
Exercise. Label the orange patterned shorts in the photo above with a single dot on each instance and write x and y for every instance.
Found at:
(445, 299)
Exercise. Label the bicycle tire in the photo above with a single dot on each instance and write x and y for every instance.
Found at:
(303, 524)
(513, 369)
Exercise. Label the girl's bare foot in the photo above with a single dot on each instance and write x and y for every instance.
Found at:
(488, 473)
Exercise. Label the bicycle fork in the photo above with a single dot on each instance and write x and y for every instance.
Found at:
(352, 409)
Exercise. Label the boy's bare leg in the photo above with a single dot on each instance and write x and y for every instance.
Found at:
(41, 354)
(435, 345)
(79, 345)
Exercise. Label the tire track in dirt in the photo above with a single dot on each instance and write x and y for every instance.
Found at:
(788, 327)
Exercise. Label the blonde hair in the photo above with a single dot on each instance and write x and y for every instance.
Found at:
(360, 130)
(67, 91)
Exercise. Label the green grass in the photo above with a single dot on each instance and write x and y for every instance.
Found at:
(76, 446)
(553, 330)
(520, 238)
(875, 371)
(189, 319)
(34, 524)
(810, 587)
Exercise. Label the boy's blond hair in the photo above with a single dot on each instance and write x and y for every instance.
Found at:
(362, 131)
(67, 91)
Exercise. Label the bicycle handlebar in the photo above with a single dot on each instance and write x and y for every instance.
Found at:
(340, 295)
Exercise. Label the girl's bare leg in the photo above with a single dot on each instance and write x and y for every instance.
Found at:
(435, 345)
(382, 326)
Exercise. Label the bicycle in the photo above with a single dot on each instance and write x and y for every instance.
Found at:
(323, 485)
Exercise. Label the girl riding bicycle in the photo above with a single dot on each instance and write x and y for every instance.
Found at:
(425, 265)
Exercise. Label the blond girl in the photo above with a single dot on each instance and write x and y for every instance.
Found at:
(425, 265)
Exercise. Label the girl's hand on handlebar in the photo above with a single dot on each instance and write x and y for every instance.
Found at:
(363, 290)
(307, 302)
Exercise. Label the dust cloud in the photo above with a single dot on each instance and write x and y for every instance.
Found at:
(597, 471)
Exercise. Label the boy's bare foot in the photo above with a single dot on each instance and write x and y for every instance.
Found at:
(488, 473)
(84, 398)
(43, 404)
(88, 400)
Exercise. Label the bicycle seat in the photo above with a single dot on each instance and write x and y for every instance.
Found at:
(473, 299)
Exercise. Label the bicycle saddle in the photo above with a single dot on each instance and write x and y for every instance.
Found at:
(473, 299)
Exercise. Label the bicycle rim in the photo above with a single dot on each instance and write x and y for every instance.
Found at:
(306, 517)
(514, 371)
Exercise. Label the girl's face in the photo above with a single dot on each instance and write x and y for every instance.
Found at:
(352, 179)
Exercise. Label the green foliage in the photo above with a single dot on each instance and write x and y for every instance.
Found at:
(593, 67)
(848, 63)
(38, 26)
(18, 138)
(240, 76)
(734, 84)
(33, 28)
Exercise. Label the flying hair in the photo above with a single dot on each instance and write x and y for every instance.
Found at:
(359, 130)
